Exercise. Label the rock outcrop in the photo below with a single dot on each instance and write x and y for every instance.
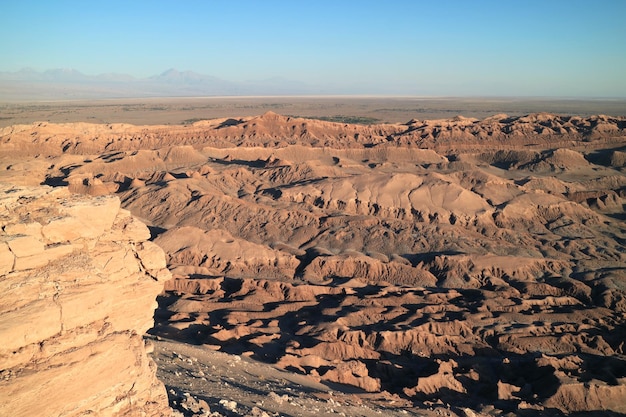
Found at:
(79, 280)
(473, 263)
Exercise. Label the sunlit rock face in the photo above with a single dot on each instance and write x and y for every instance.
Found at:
(77, 292)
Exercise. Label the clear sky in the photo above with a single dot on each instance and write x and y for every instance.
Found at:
(565, 48)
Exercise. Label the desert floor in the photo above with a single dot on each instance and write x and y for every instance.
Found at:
(373, 109)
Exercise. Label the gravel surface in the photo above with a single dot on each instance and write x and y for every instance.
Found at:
(203, 382)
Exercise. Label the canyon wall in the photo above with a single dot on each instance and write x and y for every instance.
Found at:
(78, 284)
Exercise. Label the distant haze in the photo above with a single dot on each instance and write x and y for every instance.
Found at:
(70, 84)
(450, 48)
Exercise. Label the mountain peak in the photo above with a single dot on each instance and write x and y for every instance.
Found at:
(169, 72)
(63, 71)
(171, 82)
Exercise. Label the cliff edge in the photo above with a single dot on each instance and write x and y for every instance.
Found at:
(78, 284)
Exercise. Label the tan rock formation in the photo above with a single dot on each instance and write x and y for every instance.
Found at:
(217, 252)
(79, 283)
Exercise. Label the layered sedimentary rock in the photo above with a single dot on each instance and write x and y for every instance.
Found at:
(78, 285)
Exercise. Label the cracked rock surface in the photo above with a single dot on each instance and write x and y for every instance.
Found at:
(78, 286)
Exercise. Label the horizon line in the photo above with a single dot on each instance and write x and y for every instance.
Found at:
(324, 96)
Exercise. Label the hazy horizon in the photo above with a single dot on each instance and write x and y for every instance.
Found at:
(442, 49)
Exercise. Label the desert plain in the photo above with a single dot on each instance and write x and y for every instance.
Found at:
(364, 256)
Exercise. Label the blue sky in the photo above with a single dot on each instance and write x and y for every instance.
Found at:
(565, 48)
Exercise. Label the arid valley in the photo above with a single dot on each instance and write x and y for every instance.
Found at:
(330, 256)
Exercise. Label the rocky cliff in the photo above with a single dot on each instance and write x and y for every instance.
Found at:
(78, 284)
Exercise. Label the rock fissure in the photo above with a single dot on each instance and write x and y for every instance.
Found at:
(55, 299)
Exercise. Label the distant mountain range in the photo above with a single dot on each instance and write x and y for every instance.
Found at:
(63, 83)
